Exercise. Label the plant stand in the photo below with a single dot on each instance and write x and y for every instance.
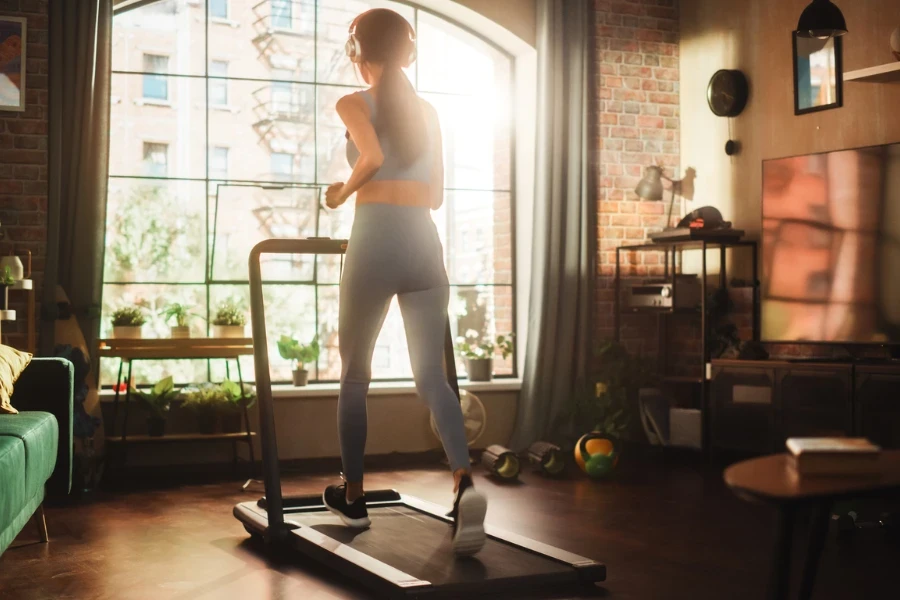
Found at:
(130, 350)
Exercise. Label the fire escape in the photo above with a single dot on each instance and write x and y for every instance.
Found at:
(284, 112)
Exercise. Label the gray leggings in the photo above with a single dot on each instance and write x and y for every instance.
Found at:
(394, 250)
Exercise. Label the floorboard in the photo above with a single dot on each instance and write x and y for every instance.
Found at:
(666, 527)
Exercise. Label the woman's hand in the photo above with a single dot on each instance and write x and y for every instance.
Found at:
(334, 195)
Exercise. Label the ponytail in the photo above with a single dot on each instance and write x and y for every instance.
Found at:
(399, 115)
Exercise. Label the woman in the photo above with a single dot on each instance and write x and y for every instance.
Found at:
(394, 147)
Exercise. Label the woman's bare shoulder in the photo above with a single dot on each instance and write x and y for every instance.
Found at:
(353, 101)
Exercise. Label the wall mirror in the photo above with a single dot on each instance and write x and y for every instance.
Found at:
(818, 77)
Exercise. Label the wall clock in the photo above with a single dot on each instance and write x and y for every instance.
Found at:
(727, 96)
(727, 93)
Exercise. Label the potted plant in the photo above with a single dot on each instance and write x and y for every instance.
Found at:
(607, 402)
(300, 355)
(158, 401)
(479, 353)
(181, 314)
(206, 401)
(237, 400)
(127, 322)
(229, 321)
(6, 281)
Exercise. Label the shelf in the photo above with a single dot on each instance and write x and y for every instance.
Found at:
(7, 315)
(688, 244)
(889, 73)
(681, 379)
(180, 437)
(661, 311)
(175, 348)
(23, 284)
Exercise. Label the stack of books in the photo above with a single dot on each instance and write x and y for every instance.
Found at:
(833, 456)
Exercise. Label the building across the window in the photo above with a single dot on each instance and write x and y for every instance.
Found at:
(156, 159)
(156, 85)
(226, 134)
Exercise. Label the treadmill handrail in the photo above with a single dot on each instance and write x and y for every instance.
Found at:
(271, 470)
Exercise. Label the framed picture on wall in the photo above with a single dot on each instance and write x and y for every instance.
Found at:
(12, 63)
(818, 74)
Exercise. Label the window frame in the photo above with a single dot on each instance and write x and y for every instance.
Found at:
(155, 78)
(512, 285)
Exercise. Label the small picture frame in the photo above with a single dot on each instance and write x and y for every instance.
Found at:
(818, 74)
(12, 63)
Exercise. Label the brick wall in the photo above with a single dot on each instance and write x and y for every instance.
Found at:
(23, 155)
(637, 125)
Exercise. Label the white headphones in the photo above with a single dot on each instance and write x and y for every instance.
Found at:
(353, 49)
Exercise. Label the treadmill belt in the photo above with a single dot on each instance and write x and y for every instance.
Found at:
(421, 546)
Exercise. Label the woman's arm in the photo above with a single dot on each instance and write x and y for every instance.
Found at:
(437, 164)
(355, 114)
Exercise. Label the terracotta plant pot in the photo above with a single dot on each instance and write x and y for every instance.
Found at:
(301, 377)
(156, 426)
(228, 331)
(180, 332)
(480, 369)
(126, 332)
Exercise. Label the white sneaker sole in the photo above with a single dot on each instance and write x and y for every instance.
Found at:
(470, 537)
(363, 523)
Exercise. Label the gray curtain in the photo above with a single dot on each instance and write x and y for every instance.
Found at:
(80, 46)
(559, 312)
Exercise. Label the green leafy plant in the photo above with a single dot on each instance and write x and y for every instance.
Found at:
(7, 277)
(205, 399)
(235, 394)
(473, 346)
(506, 344)
(179, 312)
(158, 399)
(230, 313)
(300, 354)
(607, 400)
(129, 316)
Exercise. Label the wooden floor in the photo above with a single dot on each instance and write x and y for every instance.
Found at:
(666, 527)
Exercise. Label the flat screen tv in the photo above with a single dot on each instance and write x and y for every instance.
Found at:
(831, 247)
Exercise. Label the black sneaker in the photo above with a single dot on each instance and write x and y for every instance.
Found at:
(353, 515)
(468, 513)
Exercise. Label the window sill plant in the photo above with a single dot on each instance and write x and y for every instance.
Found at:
(300, 355)
(182, 315)
(229, 321)
(479, 353)
(127, 322)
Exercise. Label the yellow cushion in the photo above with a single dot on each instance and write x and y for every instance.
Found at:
(12, 363)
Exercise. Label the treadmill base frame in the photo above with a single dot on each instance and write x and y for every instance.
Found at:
(382, 577)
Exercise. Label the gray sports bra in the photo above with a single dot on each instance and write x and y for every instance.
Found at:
(391, 170)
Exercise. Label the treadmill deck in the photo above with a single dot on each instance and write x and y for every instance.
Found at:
(408, 548)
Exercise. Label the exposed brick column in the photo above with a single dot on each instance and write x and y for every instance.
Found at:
(638, 122)
(23, 154)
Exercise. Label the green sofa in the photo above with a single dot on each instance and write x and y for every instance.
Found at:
(35, 445)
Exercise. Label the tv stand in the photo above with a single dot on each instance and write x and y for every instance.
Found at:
(757, 404)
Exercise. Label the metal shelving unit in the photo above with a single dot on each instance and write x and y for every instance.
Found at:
(672, 265)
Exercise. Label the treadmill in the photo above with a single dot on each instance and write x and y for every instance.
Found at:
(407, 552)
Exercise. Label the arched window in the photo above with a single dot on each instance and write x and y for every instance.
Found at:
(223, 133)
